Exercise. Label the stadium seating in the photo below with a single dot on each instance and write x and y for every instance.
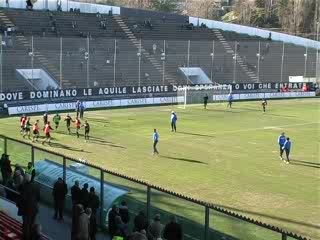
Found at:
(124, 28)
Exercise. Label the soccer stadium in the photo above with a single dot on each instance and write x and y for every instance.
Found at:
(152, 122)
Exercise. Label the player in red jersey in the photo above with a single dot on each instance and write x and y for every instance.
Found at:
(47, 128)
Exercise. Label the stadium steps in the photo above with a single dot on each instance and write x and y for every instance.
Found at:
(155, 63)
(252, 76)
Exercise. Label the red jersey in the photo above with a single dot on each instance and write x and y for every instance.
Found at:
(35, 127)
(47, 128)
(78, 123)
(23, 121)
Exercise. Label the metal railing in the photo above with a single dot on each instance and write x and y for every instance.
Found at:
(200, 220)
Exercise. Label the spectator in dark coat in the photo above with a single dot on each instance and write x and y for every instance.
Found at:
(84, 196)
(112, 220)
(173, 230)
(6, 169)
(28, 205)
(140, 222)
(75, 193)
(94, 204)
(59, 193)
(155, 228)
(124, 212)
(121, 228)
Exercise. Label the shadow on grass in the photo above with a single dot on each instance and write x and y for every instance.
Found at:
(62, 146)
(185, 160)
(105, 143)
(305, 162)
(292, 162)
(196, 134)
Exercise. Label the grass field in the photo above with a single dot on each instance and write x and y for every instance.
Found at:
(228, 157)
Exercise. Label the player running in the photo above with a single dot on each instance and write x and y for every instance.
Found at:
(45, 118)
(47, 129)
(205, 101)
(56, 120)
(287, 148)
(68, 121)
(78, 125)
(35, 130)
(230, 100)
(174, 119)
(23, 120)
(281, 141)
(86, 130)
(264, 104)
(27, 129)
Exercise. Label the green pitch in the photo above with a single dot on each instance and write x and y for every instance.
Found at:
(228, 157)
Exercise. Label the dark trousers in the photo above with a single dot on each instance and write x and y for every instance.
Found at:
(86, 135)
(58, 208)
(28, 221)
(287, 154)
(230, 104)
(81, 113)
(155, 150)
(281, 151)
(205, 104)
(173, 126)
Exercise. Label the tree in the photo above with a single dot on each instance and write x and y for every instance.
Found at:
(165, 5)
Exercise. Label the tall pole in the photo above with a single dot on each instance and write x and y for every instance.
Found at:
(212, 61)
(32, 53)
(88, 62)
(188, 60)
(114, 62)
(235, 62)
(317, 60)
(305, 62)
(163, 61)
(60, 62)
(1, 58)
(282, 62)
(258, 65)
(139, 55)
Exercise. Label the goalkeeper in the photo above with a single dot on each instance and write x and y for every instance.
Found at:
(174, 119)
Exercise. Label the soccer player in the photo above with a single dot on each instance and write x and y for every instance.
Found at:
(68, 121)
(47, 129)
(287, 148)
(230, 100)
(174, 119)
(205, 101)
(281, 141)
(56, 120)
(86, 130)
(264, 104)
(45, 118)
(27, 129)
(155, 141)
(81, 110)
(23, 120)
(35, 130)
(78, 125)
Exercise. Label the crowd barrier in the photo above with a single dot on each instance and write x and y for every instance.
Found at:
(199, 219)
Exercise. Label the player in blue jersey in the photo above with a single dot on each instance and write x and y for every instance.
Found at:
(281, 141)
(287, 148)
(230, 100)
(174, 119)
(155, 141)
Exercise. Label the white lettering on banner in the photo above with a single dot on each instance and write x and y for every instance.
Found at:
(237, 86)
(87, 92)
(11, 96)
(53, 94)
(265, 86)
(147, 101)
(112, 90)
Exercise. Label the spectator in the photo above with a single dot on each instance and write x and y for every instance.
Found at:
(75, 193)
(163, 18)
(155, 228)
(6, 170)
(28, 205)
(17, 180)
(137, 236)
(59, 193)
(29, 5)
(124, 212)
(94, 204)
(81, 109)
(7, 3)
(31, 171)
(154, 48)
(81, 231)
(173, 230)
(112, 220)
(84, 196)
(140, 222)
(121, 228)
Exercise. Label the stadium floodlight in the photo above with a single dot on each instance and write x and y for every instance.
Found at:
(194, 94)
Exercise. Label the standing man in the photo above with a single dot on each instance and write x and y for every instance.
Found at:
(47, 129)
(94, 204)
(35, 130)
(6, 170)
(205, 101)
(281, 141)
(230, 100)
(174, 119)
(287, 148)
(78, 107)
(59, 193)
(27, 128)
(68, 121)
(56, 120)
(81, 110)
(155, 141)
(23, 120)
(76, 193)
(78, 125)
(45, 118)
(264, 104)
(86, 130)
